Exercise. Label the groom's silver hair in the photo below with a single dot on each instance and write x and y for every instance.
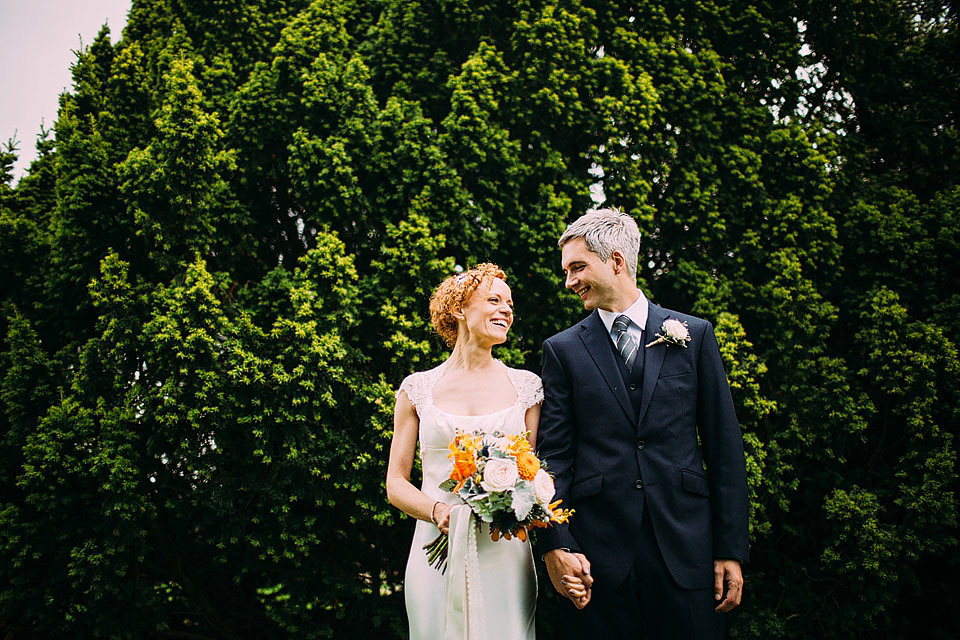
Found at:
(606, 231)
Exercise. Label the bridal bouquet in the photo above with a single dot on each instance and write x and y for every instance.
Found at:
(505, 485)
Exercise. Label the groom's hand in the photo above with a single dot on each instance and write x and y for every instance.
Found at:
(727, 584)
(570, 575)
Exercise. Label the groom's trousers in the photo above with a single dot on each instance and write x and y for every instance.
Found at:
(649, 604)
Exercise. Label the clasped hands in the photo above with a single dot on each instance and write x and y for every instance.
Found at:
(570, 575)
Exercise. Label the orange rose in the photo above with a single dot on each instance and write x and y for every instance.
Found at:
(528, 464)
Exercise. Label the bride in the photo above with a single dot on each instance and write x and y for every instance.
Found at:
(471, 391)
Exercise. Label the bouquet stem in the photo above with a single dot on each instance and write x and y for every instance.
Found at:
(437, 552)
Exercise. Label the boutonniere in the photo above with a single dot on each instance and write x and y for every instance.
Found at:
(674, 332)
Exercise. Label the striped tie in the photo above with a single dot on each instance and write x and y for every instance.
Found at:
(626, 345)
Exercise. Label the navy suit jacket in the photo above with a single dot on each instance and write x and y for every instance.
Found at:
(682, 454)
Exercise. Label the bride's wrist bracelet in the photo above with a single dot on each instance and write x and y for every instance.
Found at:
(433, 512)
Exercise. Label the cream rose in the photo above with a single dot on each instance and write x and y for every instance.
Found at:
(499, 474)
(676, 330)
(543, 487)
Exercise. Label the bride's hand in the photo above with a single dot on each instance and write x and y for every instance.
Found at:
(442, 515)
(575, 587)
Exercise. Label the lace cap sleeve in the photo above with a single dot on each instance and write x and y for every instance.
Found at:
(529, 388)
(419, 386)
(414, 388)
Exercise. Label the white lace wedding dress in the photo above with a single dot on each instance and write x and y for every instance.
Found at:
(489, 590)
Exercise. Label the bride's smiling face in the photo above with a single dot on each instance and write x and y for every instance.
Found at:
(488, 314)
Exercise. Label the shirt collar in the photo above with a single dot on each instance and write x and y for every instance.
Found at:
(637, 312)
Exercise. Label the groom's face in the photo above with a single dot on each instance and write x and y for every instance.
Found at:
(587, 275)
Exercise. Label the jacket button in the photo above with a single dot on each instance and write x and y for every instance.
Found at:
(641, 444)
(638, 484)
(633, 387)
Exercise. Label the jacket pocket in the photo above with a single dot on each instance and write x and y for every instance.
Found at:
(694, 482)
(673, 373)
(588, 486)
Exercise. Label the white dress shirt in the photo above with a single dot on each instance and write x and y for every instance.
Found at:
(637, 312)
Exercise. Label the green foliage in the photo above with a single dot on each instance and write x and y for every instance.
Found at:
(176, 188)
(219, 268)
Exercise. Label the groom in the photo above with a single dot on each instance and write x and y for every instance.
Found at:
(639, 430)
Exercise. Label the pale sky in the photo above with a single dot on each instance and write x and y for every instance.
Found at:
(37, 41)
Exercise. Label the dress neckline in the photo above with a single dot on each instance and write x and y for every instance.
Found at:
(482, 415)
(440, 370)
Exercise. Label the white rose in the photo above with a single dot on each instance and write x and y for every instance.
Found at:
(543, 487)
(499, 474)
(676, 330)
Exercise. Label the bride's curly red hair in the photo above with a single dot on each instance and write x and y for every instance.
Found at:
(452, 295)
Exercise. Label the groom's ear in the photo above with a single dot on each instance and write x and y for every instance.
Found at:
(619, 262)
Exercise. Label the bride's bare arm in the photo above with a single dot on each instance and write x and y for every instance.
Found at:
(531, 419)
(400, 491)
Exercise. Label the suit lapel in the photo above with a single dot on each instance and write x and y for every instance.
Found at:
(653, 356)
(597, 342)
